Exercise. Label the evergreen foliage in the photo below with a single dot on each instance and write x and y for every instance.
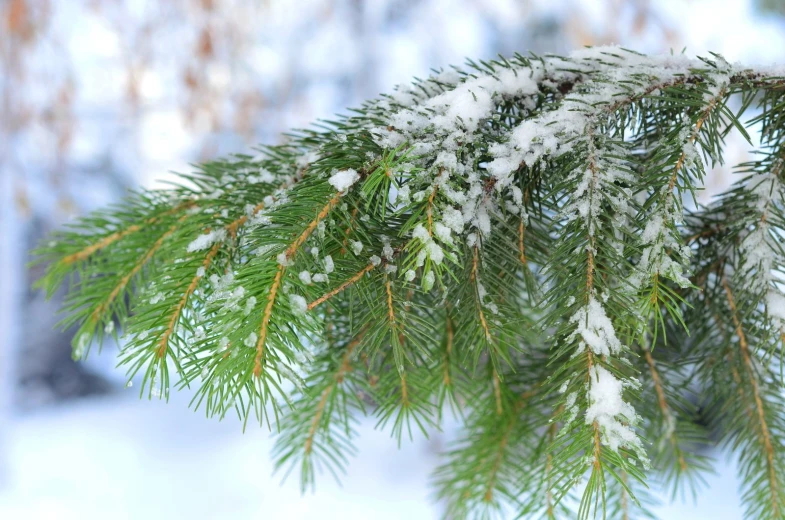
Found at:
(517, 243)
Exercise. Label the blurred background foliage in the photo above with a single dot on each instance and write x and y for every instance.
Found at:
(773, 6)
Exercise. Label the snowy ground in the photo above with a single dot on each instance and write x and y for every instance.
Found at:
(120, 458)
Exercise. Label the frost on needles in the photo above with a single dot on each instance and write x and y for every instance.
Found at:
(517, 243)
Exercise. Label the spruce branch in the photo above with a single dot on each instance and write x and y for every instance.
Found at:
(518, 243)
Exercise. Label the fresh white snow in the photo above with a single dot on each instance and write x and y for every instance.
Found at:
(595, 330)
(305, 277)
(298, 303)
(344, 179)
(610, 411)
(206, 240)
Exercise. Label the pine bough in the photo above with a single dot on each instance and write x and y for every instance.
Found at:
(517, 243)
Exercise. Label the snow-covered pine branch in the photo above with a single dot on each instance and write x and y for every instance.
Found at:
(511, 241)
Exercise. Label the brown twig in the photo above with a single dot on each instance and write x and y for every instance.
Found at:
(290, 251)
(341, 287)
(114, 237)
(764, 428)
(663, 404)
(343, 369)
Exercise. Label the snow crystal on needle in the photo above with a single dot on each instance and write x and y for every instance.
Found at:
(205, 240)
(343, 180)
(250, 303)
(767, 188)
(387, 251)
(250, 341)
(775, 303)
(653, 229)
(403, 195)
(304, 160)
(329, 265)
(595, 329)
(453, 219)
(232, 303)
(483, 220)
(298, 303)
(430, 248)
(442, 232)
(283, 259)
(609, 410)
(446, 159)
(265, 176)
(759, 246)
(420, 233)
